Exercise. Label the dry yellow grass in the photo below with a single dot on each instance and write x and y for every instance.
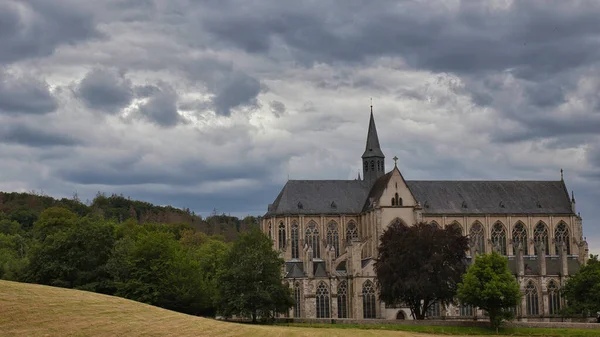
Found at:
(35, 310)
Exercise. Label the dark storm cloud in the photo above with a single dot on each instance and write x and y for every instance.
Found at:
(530, 35)
(186, 173)
(34, 137)
(105, 90)
(545, 95)
(236, 90)
(277, 108)
(37, 27)
(161, 107)
(230, 87)
(24, 95)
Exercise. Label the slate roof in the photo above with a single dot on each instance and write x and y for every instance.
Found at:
(377, 189)
(436, 197)
(294, 270)
(320, 197)
(319, 270)
(492, 197)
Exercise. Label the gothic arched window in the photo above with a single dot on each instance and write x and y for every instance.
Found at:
(333, 237)
(312, 239)
(540, 235)
(369, 304)
(298, 299)
(531, 299)
(499, 237)
(434, 310)
(351, 231)
(393, 201)
(342, 299)
(477, 239)
(466, 310)
(519, 237)
(398, 200)
(322, 301)
(561, 234)
(434, 224)
(372, 165)
(553, 298)
(281, 235)
(295, 243)
(366, 165)
(378, 166)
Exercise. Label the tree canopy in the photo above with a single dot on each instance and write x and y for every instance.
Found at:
(582, 290)
(489, 285)
(419, 265)
(250, 282)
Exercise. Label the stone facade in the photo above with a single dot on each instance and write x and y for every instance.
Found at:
(327, 232)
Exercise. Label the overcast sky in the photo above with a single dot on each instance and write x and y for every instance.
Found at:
(213, 104)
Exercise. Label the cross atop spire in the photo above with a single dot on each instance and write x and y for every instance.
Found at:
(371, 104)
(395, 161)
(561, 174)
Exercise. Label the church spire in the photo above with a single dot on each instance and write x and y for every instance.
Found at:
(373, 158)
(373, 148)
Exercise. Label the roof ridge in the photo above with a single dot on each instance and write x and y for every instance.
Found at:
(487, 181)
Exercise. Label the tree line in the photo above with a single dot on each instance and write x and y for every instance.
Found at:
(174, 266)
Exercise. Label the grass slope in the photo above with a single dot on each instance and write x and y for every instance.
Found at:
(35, 310)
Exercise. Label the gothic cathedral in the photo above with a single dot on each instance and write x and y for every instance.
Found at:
(328, 230)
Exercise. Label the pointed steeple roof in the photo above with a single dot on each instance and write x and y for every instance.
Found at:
(373, 149)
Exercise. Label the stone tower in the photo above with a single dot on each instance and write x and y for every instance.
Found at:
(373, 158)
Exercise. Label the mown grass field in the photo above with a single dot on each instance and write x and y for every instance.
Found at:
(35, 310)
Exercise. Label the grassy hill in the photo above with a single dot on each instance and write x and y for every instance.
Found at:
(36, 310)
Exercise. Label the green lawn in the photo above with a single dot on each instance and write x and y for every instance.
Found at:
(456, 330)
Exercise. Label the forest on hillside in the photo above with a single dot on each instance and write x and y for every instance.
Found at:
(158, 255)
(25, 208)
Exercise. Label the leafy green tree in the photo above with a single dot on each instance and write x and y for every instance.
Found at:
(154, 268)
(73, 254)
(26, 217)
(582, 290)
(211, 256)
(13, 256)
(9, 227)
(419, 265)
(54, 219)
(250, 282)
(489, 285)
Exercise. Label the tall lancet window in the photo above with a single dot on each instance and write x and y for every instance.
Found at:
(369, 303)
(553, 298)
(322, 300)
(312, 239)
(531, 299)
(298, 298)
(295, 243)
(342, 299)
(499, 237)
(561, 234)
(281, 235)
(540, 236)
(519, 237)
(351, 231)
(476, 239)
(333, 237)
